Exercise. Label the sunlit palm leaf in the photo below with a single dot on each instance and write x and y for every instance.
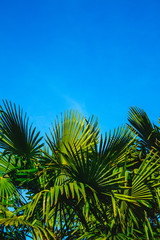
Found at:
(7, 190)
(74, 130)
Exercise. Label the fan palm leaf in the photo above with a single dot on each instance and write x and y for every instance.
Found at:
(74, 130)
(35, 228)
(16, 137)
(141, 125)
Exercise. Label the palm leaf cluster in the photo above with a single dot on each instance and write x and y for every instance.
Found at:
(76, 184)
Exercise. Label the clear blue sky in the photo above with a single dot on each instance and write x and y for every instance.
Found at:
(99, 56)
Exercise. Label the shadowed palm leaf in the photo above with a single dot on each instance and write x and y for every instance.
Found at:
(141, 125)
(35, 228)
(17, 138)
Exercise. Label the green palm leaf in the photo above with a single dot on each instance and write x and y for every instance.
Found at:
(74, 130)
(7, 190)
(114, 146)
(141, 125)
(35, 228)
(16, 137)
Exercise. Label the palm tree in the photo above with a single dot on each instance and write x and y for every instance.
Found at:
(79, 185)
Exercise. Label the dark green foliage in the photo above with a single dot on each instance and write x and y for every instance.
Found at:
(17, 138)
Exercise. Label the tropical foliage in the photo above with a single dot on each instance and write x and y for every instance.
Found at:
(77, 184)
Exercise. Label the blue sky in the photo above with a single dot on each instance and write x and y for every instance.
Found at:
(99, 57)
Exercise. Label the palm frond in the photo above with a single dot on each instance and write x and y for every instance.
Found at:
(7, 190)
(35, 228)
(74, 130)
(114, 146)
(141, 125)
(16, 137)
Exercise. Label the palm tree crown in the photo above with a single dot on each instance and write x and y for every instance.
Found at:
(79, 185)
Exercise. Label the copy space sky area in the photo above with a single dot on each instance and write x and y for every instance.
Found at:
(99, 57)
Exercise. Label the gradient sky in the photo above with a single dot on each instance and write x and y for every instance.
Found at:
(99, 57)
